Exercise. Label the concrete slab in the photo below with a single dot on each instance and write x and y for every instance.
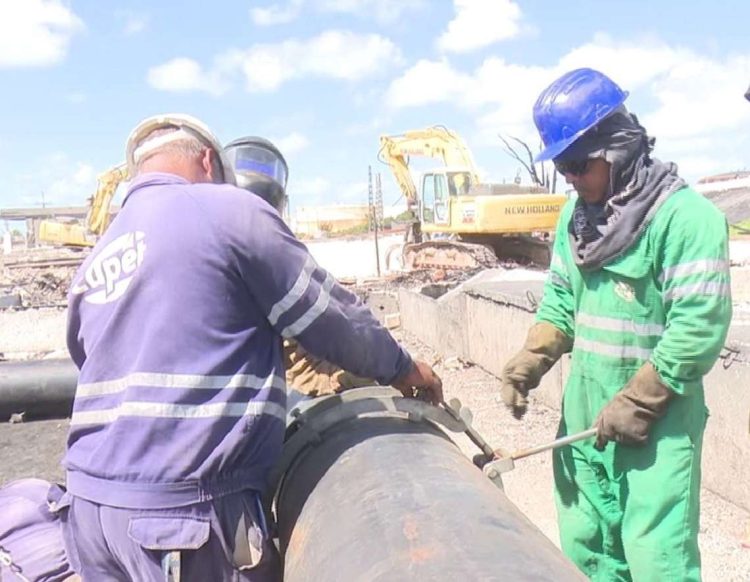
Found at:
(489, 325)
(29, 332)
(382, 304)
(436, 321)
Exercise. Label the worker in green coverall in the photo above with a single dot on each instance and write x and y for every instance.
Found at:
(639, 292)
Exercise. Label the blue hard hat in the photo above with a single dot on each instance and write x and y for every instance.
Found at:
(571, 106)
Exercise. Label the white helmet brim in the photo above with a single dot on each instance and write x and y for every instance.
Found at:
(187, 126)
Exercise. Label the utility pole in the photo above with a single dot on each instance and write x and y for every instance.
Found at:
(373, 212)
(379, 200)
(378, 216)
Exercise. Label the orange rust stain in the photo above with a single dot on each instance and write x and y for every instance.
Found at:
(420, 554)
(410, 529)
(298, 539)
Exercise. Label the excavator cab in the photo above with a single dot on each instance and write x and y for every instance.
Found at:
(438, 188)
(458, 221)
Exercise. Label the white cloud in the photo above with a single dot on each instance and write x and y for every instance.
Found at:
(699, 95)
(480, 23)
(71, 185)
(35, 32)
(276, 13)
(291, 144)
(634, 64)
(134, 23)
(690, 102)
(384, 11)
(427, 82)
(334, 54)
(182, 74)
(84, 174)
(57, 181)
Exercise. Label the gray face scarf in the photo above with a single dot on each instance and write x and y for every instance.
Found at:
(638, 186)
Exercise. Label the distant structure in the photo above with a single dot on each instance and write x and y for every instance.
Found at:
(31, 217)
(730, 192)
(317, 221)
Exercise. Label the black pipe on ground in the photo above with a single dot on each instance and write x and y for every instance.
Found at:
(385, 498)
(38, 388)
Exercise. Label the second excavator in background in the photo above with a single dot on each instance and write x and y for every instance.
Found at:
(97, 218)
(458, 222)
(100, 209)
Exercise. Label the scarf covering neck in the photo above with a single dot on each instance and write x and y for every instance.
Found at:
(638, 186)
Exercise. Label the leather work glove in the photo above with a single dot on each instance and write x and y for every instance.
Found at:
(315, 377)
(628, 417)
(545, 344)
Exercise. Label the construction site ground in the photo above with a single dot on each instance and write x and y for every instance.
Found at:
(35, 448)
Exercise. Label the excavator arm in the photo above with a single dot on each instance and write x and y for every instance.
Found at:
(432, 142)
(97, 218)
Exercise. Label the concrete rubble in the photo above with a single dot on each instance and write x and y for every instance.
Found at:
(469, 323)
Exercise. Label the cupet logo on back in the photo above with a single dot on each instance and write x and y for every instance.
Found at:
(110, 272)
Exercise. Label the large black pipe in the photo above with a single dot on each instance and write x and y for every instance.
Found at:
(388, 499)
(38, 388)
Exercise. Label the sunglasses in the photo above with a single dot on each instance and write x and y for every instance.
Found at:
(573, 167)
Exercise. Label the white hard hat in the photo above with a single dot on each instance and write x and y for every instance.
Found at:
(188, 126)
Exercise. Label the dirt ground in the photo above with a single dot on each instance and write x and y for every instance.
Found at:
(724, 526)
(35, 449)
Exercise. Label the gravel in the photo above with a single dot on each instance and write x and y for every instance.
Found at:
(34, 449)
(724, 526)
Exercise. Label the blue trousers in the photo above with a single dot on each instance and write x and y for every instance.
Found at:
(223, 540)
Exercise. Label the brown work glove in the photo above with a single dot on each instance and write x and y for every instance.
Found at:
(315, 377)
(545, 344)
(628, 417)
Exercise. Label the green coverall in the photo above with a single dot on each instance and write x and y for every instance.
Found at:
(631, 513)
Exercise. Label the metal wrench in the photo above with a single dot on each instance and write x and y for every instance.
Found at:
(459, 412)
(502, 463)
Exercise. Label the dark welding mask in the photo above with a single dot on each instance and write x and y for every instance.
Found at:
(259, 168)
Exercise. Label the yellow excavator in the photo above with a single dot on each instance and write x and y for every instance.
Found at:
(97, 217)
(459, 222)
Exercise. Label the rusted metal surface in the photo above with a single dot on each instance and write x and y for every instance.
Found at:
(387, 498)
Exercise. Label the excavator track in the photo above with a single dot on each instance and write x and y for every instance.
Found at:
(448, 254)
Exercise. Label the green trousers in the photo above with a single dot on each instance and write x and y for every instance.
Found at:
(632, 513)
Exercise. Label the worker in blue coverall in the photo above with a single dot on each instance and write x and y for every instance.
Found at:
(176, 322)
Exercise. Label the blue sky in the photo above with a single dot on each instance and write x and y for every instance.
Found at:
(324, 78)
